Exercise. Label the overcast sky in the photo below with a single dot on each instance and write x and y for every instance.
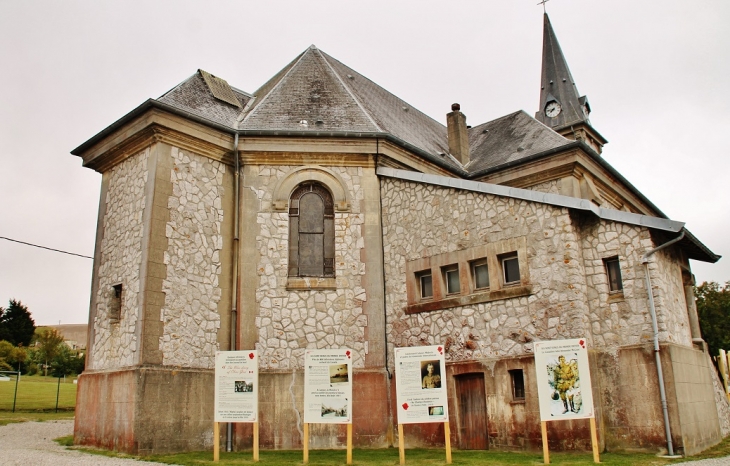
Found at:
(656, 74)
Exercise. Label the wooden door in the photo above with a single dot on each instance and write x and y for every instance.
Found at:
(472, 411)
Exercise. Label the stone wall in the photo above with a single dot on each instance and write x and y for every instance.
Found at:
(421, 220)
(115, 342)
(670, 302)
(289, 321)
(617, 318)
(193, 260)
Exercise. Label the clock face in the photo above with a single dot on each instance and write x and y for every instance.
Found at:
(552, 109)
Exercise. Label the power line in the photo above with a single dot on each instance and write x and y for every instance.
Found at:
(43, 247)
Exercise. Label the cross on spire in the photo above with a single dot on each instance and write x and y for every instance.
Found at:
(543, 2)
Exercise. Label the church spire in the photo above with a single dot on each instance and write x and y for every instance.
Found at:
(562, 108)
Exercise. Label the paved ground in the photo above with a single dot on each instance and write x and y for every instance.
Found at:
(31, 443)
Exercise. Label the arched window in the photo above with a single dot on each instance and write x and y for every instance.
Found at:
(311, 232)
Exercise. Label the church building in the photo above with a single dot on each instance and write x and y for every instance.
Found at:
(322, 211)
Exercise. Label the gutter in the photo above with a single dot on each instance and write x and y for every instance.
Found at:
(652, 311)
(156, 104)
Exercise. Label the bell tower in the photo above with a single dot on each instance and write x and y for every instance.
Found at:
(562, 108)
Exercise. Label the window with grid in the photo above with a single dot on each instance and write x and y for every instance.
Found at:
(311, 232)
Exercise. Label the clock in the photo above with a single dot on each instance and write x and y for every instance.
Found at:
(552, 109)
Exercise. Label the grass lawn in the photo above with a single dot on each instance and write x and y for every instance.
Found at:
(6, 417)
(37, 393)
(389, 457)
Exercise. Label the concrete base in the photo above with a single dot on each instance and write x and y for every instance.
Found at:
(157, 410)
(145, 410)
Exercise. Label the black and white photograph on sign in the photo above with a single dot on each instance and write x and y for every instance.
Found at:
(339, 373)
(422, 396)
(335, 408)
(328, 386)
(240, 386)
(563, 379)
(236, 379)
(430, 374)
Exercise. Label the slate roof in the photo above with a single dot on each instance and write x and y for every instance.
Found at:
(508, 139)
(194, 96)
(557, 83)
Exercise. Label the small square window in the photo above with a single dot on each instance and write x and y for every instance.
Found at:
(451, 277)
(480, 274)
(518, 384)
(613, 270)
(425, 283)
(511, 268)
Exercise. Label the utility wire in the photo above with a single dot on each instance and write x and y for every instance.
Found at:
(43, 247)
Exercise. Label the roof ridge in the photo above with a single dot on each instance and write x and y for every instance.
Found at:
(278, 84)
(349, 91)
(400, 99)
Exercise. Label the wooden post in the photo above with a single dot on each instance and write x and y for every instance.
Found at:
(447, 438)
(594, 441)
(401, 445)
(216, 441)
(306, 443)
(256, 441)
(545, 450)
(349, 443)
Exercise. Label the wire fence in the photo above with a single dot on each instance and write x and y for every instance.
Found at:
(36, 393)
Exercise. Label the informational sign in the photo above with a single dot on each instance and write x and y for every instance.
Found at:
(421, 385)
(563, 380)
(236, 386)
(328, 386)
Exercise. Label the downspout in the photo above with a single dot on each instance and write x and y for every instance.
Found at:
(234, 281)
(652, 311)
(382, 256)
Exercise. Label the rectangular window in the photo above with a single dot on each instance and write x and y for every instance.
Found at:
(511, 268)
(613, 270)
(480, 274)
(425, 282)
(518, 384)
(451, 278)
(115, 305)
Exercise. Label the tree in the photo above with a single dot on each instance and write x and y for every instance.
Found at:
(50, 344)
(713, 310)
(66, 362)
(16, 324)
(11, 357)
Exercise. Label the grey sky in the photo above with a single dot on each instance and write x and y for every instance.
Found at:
(655, 72)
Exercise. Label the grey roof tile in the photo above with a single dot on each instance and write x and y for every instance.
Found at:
(308, 91)
(194, 96)
(508, 139)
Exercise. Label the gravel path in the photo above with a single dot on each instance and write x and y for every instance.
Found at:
(31, 443)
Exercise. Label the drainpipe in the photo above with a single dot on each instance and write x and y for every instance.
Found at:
(234, 284)
(652, 311)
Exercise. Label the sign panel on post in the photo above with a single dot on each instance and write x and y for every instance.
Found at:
(421, 385)
(236, 386)
(328, 386)
(563, 380)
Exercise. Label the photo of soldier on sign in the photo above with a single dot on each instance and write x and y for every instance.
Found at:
(563, 379)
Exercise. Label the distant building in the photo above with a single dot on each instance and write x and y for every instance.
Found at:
(74, 335)
(322, 211)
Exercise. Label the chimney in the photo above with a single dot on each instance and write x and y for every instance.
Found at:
(458, 137)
